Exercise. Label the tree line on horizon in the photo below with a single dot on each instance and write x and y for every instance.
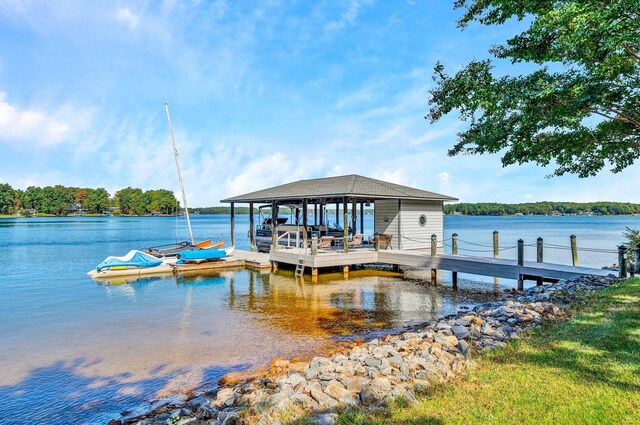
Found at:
(61, 200)
(544, 208)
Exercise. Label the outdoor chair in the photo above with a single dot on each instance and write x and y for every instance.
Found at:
(325, 242)
(385, 240)
(356, 241)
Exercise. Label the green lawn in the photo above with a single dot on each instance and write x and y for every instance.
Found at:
(585, 371)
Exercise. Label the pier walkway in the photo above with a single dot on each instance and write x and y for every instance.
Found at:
(484, 266)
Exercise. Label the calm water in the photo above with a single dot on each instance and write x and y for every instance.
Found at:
(76, 351)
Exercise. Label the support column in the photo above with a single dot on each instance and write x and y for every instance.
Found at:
(252, 230)
(345, 227)
(305, 210)
(434, 251)
(454, 251)
(539, 258)
(321, 214)
(274, 232)
(315, 214)
(233, 225)
(354, 216)
(520, 264)
(362, 217)
(622, 262)
(337, 212)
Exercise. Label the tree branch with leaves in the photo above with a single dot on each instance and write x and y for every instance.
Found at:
(580, 118)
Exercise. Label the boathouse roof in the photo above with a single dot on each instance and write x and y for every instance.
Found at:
(330, 188)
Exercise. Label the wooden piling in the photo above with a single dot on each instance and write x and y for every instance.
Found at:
(345, 228)
(354, 216)
(274, 221)
(252, 230)
(622, 262)
(520, 264)
(362, 217)
(314, 245)
(305, 213)
(454, 251)
(434, 252)
(574, 250)
(233, 225)
(376, 242)
(539, 258)
(496, 244)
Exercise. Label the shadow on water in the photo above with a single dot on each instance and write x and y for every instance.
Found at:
(62, 394)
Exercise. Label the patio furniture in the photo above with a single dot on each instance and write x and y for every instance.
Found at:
(385, 240)
(325, 242)
(356, 241)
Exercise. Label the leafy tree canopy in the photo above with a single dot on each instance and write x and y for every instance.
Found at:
(578, 110)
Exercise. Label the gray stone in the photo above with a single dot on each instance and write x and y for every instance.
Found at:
(337, 391)
(375, 391)
(297, 382)
(322, 399)
(460, 331)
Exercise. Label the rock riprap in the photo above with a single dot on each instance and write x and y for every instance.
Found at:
(375, 371)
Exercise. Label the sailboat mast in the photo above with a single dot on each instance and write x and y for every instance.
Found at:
(175, 154)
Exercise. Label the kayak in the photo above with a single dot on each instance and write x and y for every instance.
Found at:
(170, 251)
(201, 255)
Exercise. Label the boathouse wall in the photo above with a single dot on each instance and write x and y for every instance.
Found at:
(416, 235)
(402, 220)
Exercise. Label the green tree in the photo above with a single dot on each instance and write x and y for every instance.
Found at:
(580, 107)
(97, 200)
(7, 199)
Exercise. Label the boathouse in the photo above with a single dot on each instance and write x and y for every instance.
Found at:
(406, 215)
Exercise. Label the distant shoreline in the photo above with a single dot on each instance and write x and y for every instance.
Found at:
(3, 216)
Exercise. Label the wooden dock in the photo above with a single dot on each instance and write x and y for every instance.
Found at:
(483, 266)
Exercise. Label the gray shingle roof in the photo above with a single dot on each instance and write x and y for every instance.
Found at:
(351, 185)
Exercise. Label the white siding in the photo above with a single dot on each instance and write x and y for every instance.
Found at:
(415, 236)
(386, 219)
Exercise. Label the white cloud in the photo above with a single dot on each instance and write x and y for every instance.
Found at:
(127, 17)
(347, 18)
(38, 127)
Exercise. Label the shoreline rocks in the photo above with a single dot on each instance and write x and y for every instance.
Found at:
(373, 372)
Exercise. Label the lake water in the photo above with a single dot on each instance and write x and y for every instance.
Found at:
(76, 351)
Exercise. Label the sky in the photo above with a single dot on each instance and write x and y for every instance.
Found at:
(260, 93)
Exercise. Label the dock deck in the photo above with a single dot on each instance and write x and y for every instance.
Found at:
(498, 267)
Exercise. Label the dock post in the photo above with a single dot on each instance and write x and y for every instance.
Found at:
(252, 240)
(376, 242)
(362, 217)
(622, 262)
(454, 251)
(434, 251)
(274, 228)
(233, 224)
(354, 216)
(539, 258)
(574, 250)
(314, 245)
(496, 244)
(305, 236)
(345, 229)
(520, 264)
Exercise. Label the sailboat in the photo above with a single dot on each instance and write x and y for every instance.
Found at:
(162, 259)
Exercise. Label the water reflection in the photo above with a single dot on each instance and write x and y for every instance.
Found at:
(159, 335)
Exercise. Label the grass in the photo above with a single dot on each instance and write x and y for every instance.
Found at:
(584, 371)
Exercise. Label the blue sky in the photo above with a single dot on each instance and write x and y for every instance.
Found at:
(260, 92)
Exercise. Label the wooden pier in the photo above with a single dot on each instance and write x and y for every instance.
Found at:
(483, 266)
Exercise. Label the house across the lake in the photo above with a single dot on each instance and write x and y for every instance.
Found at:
(335, 206)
